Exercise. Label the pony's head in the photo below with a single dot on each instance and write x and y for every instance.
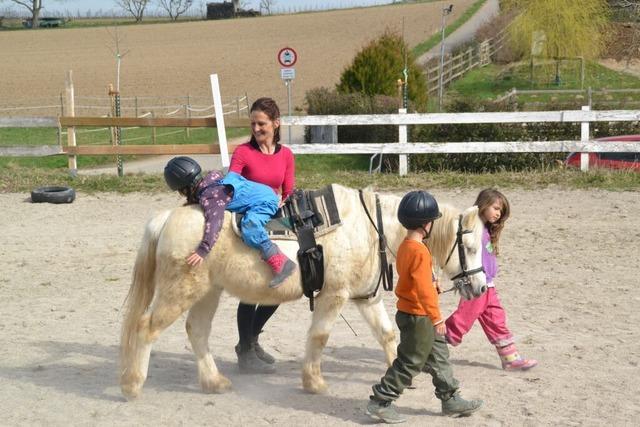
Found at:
(456, 245)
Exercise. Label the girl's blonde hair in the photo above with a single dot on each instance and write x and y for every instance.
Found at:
(486, 198)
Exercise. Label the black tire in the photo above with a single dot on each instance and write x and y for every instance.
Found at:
(53, 195)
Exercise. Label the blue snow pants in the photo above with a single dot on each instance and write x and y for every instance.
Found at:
(258, 203)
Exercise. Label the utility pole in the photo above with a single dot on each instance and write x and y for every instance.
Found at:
(445, 11)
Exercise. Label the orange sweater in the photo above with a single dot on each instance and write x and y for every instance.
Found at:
(415, 290)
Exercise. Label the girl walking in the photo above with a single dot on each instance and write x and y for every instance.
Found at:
(494, 211)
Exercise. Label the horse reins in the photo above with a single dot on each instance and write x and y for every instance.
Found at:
(462, 277)
(386, 270)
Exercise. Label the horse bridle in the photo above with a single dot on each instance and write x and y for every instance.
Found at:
(464, 277)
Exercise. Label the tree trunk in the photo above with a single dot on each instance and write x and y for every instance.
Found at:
(35, 13)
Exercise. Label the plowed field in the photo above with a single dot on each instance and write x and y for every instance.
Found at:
(176, 59)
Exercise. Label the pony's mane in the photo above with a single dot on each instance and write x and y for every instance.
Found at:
(442, 234)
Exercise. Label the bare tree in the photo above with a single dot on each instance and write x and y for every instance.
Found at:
(267, 5)
(175, 8)
(134, 7)
(34, 6)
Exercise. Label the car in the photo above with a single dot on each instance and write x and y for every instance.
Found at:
(610, 160)
(44, 22)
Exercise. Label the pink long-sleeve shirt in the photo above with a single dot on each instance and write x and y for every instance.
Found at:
(276, 170)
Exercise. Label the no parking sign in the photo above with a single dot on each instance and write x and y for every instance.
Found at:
(287, 57)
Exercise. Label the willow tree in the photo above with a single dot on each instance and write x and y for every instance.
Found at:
(559, 29)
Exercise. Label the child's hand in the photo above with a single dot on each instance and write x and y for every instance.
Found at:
(441, 329)
(437, 285)
(194, 260)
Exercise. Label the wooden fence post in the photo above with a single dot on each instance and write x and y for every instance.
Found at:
(71, 131)
(402, 138)
(154, 135)
(187, 114)
(584, 137)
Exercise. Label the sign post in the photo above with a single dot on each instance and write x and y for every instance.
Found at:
(287, 58)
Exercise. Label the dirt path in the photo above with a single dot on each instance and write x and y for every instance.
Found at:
(569, 283)
(466, 32)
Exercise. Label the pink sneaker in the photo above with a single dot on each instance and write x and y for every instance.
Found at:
(282, 268)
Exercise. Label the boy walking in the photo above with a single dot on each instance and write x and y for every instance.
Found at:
(418, 317)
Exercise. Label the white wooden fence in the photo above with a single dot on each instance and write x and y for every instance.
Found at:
(583, 143)
(603, 96)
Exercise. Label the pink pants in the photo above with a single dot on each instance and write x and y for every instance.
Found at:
(488, 311)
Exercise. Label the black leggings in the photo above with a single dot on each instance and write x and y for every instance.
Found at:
(251, 320)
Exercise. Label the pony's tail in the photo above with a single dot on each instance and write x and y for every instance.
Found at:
(141, 291)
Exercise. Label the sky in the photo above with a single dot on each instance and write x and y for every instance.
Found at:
(280, 6)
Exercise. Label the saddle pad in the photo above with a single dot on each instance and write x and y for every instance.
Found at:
(280, 228)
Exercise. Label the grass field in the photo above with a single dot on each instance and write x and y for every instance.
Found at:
(310, 174)
(494, 80)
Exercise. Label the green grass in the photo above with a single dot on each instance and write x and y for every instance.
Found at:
(86, 136)
(432, 41)
(18, 179)
(330, 163)
(493, 80)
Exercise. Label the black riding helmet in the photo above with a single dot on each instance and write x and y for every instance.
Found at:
(182, 172)
(416, 208)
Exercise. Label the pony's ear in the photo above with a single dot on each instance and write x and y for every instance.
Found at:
(469, 217)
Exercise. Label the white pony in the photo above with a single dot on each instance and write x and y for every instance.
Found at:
(164, 286)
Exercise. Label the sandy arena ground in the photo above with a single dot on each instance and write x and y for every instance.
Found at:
(176, 60)
(569, 283)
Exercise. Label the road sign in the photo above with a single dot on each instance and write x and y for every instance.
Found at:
(288, 73)
(287, 57)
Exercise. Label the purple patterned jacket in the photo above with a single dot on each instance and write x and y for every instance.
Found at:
(213, 197)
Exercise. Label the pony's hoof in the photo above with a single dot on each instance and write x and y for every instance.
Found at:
(314, 385)
(131, 385)
(219, 385)
(131, 391)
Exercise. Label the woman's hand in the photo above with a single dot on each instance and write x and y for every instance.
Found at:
(194, 260)
(441, 329)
